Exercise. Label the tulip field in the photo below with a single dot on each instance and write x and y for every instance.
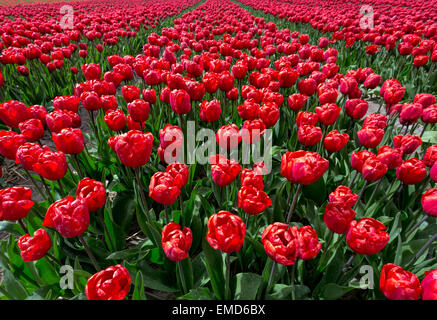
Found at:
(218, 150)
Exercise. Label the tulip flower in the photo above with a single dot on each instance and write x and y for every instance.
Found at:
(138, 110)
(252, 200)
(176, 241)
(115, 120)
(223, 170)
(399, 284)
(226, 232)
(93, 192)
(69, 141)
(13, 112)
(343, 196)
(411, 171)
(335, 141)
(308, 243)
(15, 203)
(34, 247)
(113, 283)
(429, 285)
(133, 148)
(10, 141)
(367, 236)
(164, 188)
(429, 202)
(210, 111)
(303, 167)
(338, 217)
(281, 243)
(32, 129)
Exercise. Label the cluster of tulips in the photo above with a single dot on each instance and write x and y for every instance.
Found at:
(348, 184)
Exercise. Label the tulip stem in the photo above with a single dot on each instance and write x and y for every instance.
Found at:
(167, 220)
(54, 259)
(61, 188)
(181, 275)
(36, 186)
(353, 179)
(89, 253)
(272, 273)
(228, 277)
(417, 225)
(362, 192)
(423, 249)
(47, 188)
(373, 193)
(293, 272)
(293, 204)
(23, 226)
(79, 170)
(143, 198)
(423, 130)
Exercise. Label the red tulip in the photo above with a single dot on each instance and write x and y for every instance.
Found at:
(226, 232)
(367, 236)
(281, 243)
(338, 217)
(328, 113)
(115, 120)
(179, 172)
(373, 169)
(113, 283)
(180, 101)
(399, 284)
(411, 171)
(10, 141)
(343, 196)
(15, 203)
(308, 243)
(306, 118)
(51, 165)
(410, 113)
(309, 135)
(32, 129)
(303, 167)
(296, 101)
(269, 114)
(335, 141)
(91, 71)
(176, 241)
(252, 130)
(359, 158)
(139, 110)
(13, 112)
(252, 178)
(130, 93)
(356, 108)
(429, 202)
(69, 216)
(252, 200)
(70, 103)
(93, 192)
(69, 141)
(392, 157)
(223, 170)
(210, 111)
(429, 285)
(370, 136)
(228, 136)
(133, 148)
(408, 143)
(429, 114)
(164, 188)
(34, 247)
(248, 110)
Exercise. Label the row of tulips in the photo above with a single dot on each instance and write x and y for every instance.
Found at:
(277, 233)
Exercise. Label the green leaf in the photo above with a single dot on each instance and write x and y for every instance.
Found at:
(214, 266)
(199, 294)
(247, 285)
(138, 293)
(333, 291)
(283, 292)
(13, 287)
